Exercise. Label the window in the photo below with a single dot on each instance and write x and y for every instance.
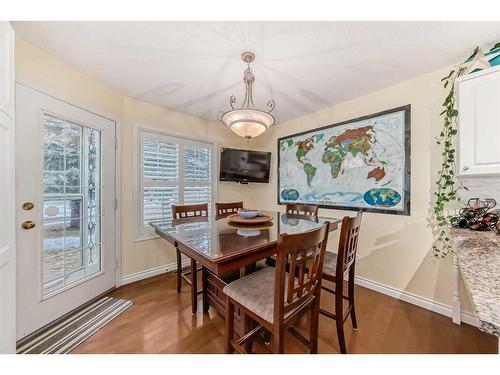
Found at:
(71, 202)
(172, 170)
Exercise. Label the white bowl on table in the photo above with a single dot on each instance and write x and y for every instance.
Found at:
(248, 214)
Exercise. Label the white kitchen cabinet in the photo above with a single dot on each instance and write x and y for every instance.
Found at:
(478, 97)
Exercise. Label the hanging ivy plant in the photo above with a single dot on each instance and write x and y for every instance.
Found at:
(448, 184)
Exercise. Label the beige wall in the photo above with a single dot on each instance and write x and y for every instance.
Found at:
(46, 73)
(49, 74)
(394, 250)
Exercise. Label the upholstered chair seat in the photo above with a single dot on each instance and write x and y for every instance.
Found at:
(330, 264)
(256, 292)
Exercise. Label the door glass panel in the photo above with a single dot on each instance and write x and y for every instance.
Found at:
(73, 224)
(71, 203)
(72, 174)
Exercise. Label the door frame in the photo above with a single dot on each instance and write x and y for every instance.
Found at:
(118, 161)
(8, 250)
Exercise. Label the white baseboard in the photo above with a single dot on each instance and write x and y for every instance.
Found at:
(402, 295)
(414, 299)
(151, 272)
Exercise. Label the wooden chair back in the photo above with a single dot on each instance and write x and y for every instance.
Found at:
(348, 244)
(301, 209)
(304, 252)
(190, 210)
(225, 209)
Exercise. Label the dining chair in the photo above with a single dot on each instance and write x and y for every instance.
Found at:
(297, 211)
(275, 298)
(226, 209)
(334, 269)
(188, 212)
(302, 209)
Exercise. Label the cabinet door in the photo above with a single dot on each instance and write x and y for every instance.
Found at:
(479, 124)
(7, 69)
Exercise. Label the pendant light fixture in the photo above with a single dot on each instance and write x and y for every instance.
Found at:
(247, 121)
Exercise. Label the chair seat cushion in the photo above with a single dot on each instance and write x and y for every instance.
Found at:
(256, 292)
(329, 264)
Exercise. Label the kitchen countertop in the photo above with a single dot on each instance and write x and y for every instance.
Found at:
(478, 255)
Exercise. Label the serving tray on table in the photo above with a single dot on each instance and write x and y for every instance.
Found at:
(236, 218)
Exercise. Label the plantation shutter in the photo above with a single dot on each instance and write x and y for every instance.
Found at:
(197, 174)
(160, 180)
(172, 171)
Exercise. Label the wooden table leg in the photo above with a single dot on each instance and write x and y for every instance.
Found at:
(206, 306)
(179, 269)
(194, 287)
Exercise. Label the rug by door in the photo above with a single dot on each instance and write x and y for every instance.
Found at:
(75, 328)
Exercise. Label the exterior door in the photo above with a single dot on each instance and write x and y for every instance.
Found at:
(65, 176)
(7, 192)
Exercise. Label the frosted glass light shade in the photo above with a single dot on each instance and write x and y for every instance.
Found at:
(247, 123)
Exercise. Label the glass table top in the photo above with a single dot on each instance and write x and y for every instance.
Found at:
(217, 238)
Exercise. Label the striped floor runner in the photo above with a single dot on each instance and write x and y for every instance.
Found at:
(75, 328)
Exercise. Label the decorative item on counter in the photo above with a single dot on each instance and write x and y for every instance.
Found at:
(478, 215)
(493, 220)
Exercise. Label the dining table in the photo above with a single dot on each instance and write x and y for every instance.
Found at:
(226, 250)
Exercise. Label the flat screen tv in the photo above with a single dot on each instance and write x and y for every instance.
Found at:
(244, 165)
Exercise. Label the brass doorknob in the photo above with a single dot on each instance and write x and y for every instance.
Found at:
(27, 206)
(28, 224)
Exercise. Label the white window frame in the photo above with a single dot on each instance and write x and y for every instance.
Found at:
(146, 232)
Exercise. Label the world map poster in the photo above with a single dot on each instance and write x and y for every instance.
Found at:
(361, 164)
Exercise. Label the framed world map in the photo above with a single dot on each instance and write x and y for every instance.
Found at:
(360, 164)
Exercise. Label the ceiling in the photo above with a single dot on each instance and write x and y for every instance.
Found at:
(194, 67)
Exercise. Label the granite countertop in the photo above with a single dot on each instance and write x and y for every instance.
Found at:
(478, 255)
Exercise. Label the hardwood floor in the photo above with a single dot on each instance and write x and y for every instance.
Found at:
(160, 321)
